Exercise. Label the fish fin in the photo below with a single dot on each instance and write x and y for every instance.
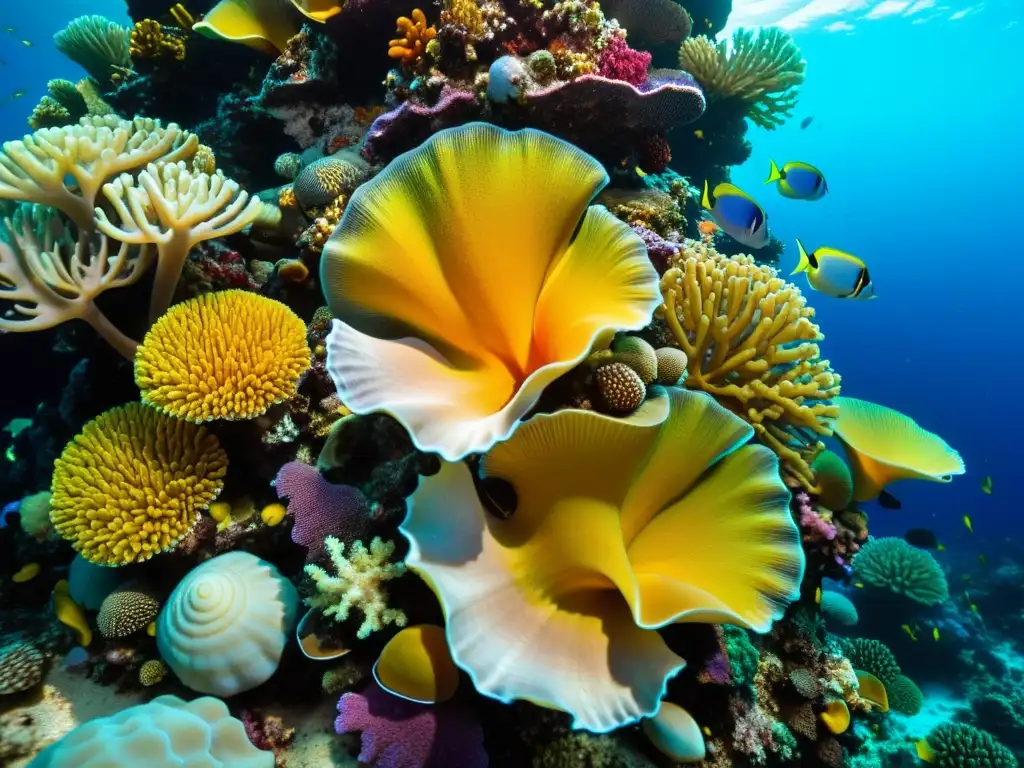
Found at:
(805, 259)
(775, 174)
(705, 200)
(725, 188)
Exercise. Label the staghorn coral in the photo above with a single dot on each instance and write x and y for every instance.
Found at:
(414, 38)
(751, 343)
(893, 564)
(762, 69)
(127, 610)
(150, 40)
(97, 44)
(132, 483)
(359, 584)
(225, 355)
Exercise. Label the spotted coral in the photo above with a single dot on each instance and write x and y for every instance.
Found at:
(321, 182)
(621, 388)
(152, 672)
(893, 564)
(132, 483)
(21, 667)
(359, 584)
(751, 343)
(453, 321)
(97, 44)
(127, 610)
(225, 355)
(762, 69)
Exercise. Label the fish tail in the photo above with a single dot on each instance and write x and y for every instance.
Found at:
(705, 200)
(804, 261)
(775, 174)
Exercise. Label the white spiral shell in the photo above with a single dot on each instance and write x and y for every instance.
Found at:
(225, 625)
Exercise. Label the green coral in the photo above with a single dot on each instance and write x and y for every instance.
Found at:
(743, 656)
(62, 106)
(871, 656)
(904, 695)
(785, 741)
(893, 564)
(958, 745)
(359, 584)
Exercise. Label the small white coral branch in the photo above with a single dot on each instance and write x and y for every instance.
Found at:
(359, 584)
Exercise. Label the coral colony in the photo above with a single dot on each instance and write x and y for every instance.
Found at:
(426, 404)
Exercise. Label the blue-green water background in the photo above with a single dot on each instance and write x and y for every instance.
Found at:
(918, 128)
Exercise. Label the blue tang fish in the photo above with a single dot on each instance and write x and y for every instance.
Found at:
(798, 181)
(737, 214)
(835, 273)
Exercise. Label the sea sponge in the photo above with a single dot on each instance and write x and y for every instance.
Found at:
(871, 656)
(225, 355)
(321, 182)
(638, 355)
(622, 390)
(621, 526)
(762, 69)
(672, 365)
(35, 515)
(893, 564)
(837, 608)
(359, 584)
(450, 314)
(166, 732)
(21, 667)
(833, 482)
(263, 25)
(127, 610)
(98, 45)
(132, 483)
(904, 695)
(751, 343)
(226, 624)
(151, 40)
(958, 745)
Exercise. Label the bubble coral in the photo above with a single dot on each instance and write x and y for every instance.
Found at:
(622, 390)
(166, 732)
(893, 564)
(127, 610)
(225, 355)
(414, 37)
(751, 343)
(452, 320)
(619, 529)
(762, 69)
(958, 745)
(21, 667)
(97, 44)
(132, 483)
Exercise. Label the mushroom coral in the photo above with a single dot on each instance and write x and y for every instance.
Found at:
(750, 342)
(622, 526)
(464, 282)
(884, 445)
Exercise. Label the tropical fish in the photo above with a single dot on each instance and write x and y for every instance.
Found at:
(698, 134)
(817, 595)
(17, 95)
(970, 603)
(798, 181)
(982, 559)
(835, 273)
(935, 634)
(737, 214)
(859, 584)
(968, 524)
(922, 538)
(887, 501)
(27, 43)
(806, 122)
(8, 29)
(642, 174)
(319, 10)
(925, 751)
(986, 484)
(26, 573)
(707, 229)
(910, 632)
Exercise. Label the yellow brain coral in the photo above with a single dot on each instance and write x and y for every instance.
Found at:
(226, 355)
(132, 484)
(751, 343)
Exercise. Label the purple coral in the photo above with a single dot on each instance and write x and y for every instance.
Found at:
(397, 733)
(659, 250)
(411, 124)
(812, 525)
(321, 509)
(620, 62)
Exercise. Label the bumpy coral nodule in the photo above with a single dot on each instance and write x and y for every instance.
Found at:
(895, 565)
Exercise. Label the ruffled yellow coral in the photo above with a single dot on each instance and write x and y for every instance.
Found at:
(359, 584)
(151, 40)
(132, 483)
(263, 25)
(226, 355)
(750, 342)
(762, 69)
(415, 34)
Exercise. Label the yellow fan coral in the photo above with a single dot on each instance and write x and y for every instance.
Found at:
(762, 69)
(263, 25)
(460, 291)
(132, 483)
(750, 341)
(622, 526)
(226, 355)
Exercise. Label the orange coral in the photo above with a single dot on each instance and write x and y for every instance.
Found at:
(415, 37)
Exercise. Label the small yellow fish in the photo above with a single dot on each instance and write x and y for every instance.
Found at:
(968, 524)
(986, 484)
(982, 559)
(8, 29)
(970, 603)
(817, 596)
(27, 43)
(910, 632)
(858, 584)
(17, 95)
(941, 547)
(925, 751)
(26, 573)
(151, 629)
(935, 634)
(639, 173)
(706, 731)
(699, 134)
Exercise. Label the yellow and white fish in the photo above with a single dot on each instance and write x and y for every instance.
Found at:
(835, 273)
(737, 213)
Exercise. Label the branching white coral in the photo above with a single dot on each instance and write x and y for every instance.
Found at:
(359, 584)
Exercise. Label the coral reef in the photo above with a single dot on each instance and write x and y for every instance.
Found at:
(893, 564)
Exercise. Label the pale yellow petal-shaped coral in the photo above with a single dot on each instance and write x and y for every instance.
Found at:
(871, 689)
(621, 526)
(263, 25)
(836, 716)
(319, 10)
(460, 290)
(417, 665)
(884, 445)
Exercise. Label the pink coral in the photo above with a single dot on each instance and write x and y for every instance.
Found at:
(620, 62)
(752, 730)
(397, 733)
(813, 526)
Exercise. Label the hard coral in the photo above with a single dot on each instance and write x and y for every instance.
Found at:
(132, 483)
(893, 564)
(97, 44)
(871, 656)
(751, 343)
(415, 36)
(955, 745)
(226, 355)
(151, 40)
(620, 62)
(321, 182)
(127, 610)
(21, 667)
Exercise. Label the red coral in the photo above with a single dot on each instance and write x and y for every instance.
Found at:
(653, 154)
(620, 62)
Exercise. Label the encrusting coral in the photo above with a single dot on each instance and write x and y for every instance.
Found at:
(750, 342)
(133, 483)
(359, 584)
(762, 69)
(225, 355)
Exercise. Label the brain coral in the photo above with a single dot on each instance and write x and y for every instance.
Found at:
(836, 607)
(958, 745)
(751, 343)
(871, 656)
(132, 483)
(226, 355)
(893, 564)
(226, 624)
(322, 181)
(164, 733)
(904, 695)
